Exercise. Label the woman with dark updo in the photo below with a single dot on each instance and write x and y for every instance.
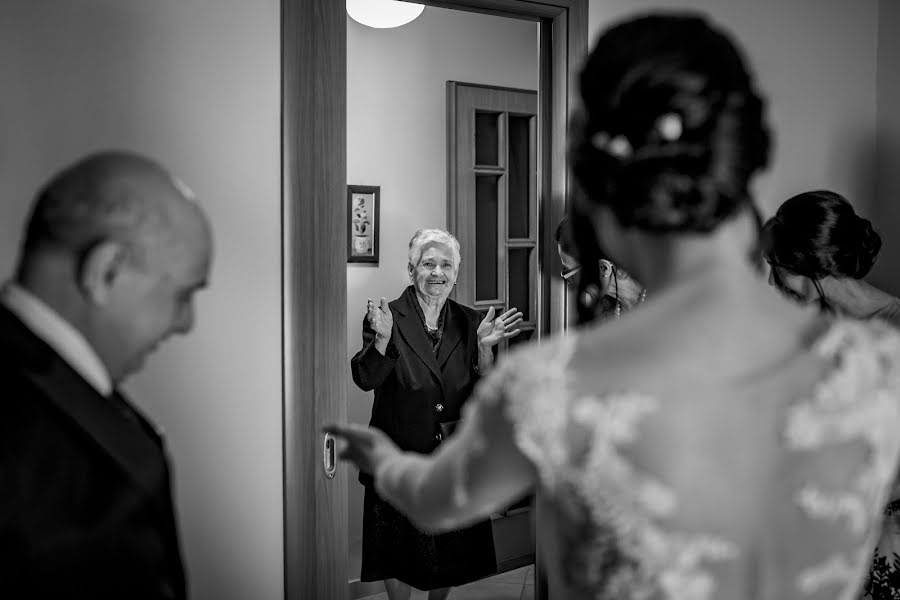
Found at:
(718, 443)
(819, 249)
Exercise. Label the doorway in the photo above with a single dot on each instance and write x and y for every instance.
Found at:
(314, 167)
(407, 132)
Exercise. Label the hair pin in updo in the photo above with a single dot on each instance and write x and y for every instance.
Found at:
(617, 146)
(670, 126)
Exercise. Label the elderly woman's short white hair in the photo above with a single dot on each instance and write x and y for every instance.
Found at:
(424, 236)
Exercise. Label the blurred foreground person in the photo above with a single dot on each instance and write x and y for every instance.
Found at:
(114, 251)
(718, 443)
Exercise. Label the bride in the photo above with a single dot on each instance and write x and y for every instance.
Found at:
(718, 443)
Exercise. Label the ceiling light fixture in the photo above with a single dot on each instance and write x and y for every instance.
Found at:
(383, 14)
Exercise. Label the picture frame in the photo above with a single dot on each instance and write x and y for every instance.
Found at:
(363, 223)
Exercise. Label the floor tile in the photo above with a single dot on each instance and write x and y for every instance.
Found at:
(481, 590)
(486, 589)
(527, 592)
(529, 576)
(514, 576)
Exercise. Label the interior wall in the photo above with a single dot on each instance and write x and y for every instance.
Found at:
(815, 61)
(886, 273)
(397, 139)
(197, 86)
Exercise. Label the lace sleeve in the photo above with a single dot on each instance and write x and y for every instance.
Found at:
(537, 405)
(475, 472)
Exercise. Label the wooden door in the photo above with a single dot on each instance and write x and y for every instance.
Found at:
(492, 203)
(492, 209)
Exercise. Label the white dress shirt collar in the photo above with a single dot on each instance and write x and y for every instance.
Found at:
(59, 334)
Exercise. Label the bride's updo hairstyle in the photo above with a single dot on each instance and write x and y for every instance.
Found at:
(671, 133)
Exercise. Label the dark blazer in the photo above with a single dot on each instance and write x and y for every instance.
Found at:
(415, 389)
(85, 500)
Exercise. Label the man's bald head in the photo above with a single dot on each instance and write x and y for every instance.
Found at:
(116, 245)
(106, 196)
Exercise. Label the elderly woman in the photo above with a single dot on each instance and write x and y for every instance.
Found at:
(422, 354)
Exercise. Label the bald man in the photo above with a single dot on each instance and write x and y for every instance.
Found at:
(114, 251)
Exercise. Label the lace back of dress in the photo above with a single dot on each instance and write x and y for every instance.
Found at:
(616, 524)
(615, 545)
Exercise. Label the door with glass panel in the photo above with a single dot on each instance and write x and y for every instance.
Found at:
(492, 203)
(492, 210)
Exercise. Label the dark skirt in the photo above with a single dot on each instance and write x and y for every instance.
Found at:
(394, 549)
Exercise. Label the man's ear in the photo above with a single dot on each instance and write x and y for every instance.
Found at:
(99, 269)
(409, 270)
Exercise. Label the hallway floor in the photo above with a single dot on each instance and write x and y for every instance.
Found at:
(512, 585)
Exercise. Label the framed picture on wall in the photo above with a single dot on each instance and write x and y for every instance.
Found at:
(362, 223)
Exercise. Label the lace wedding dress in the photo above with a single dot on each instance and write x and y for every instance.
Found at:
(766, 486)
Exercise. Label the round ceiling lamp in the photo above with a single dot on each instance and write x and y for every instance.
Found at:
(383, 13)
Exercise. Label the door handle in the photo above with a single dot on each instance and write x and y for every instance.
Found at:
(328, 457)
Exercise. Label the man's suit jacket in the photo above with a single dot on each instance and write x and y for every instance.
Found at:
(85, 499)
(416, 389)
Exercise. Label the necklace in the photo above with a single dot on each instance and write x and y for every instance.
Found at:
(641, 298)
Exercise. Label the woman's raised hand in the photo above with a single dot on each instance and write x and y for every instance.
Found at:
(492, 330)
(380, 318)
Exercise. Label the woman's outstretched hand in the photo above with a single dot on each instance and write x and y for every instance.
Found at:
(366, 447)
(491, 330)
